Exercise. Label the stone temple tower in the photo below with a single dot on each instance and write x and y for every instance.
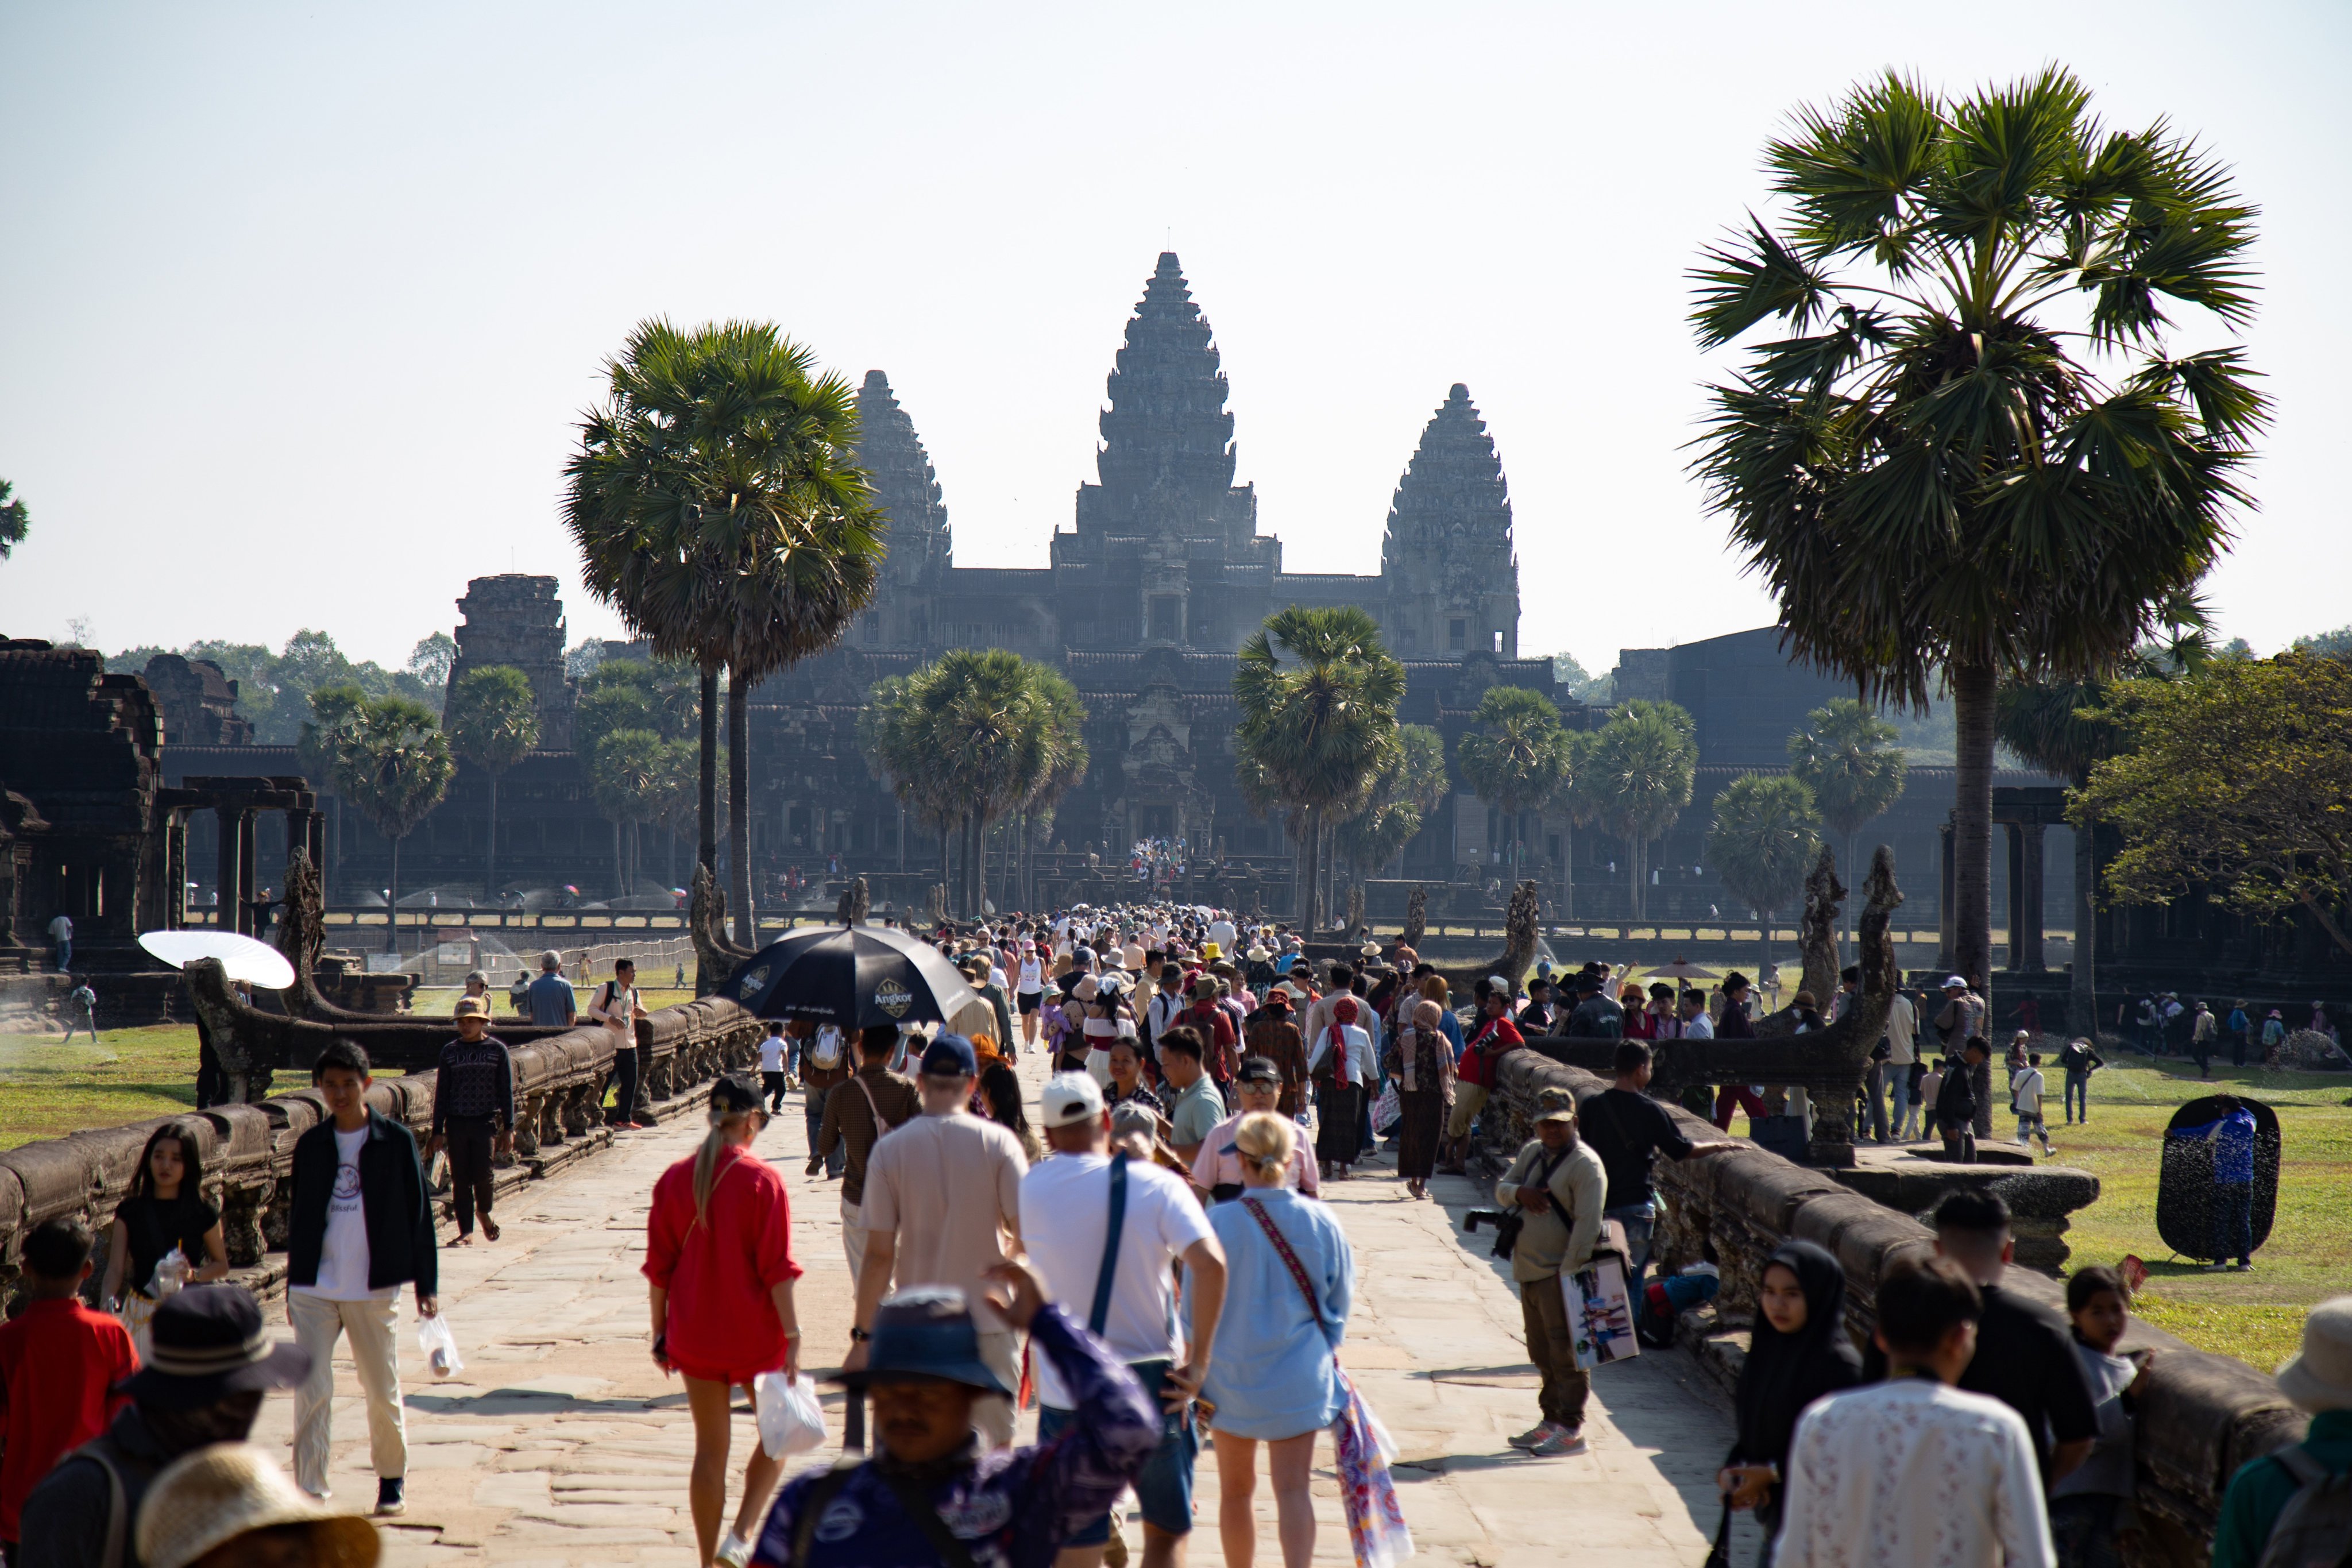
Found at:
(908, 492)
(1451, 575)
(1161, 534)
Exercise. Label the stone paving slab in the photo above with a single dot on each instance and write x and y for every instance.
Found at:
(561, 1443)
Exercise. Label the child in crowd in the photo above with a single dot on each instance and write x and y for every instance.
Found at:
(59, 1362)
(2090, 1504)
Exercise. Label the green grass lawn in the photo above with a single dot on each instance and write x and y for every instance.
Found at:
(47, 1089)
(2257, 1317)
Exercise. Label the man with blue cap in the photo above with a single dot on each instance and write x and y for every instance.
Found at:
(934, 1496)
(942, 1206)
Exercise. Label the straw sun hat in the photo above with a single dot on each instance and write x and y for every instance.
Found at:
(227, 1489)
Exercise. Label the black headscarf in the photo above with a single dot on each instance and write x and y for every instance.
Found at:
(1785, 1372)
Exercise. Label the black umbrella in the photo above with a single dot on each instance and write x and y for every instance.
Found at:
(858, 977)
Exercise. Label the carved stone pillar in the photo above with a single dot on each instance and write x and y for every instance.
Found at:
(278, 1214)
(579, 1108)
(241, 1224)
(527, 1123)
(175, 912)
(247, 885)
(225, 911)
(2026, 898)
(548, 1116)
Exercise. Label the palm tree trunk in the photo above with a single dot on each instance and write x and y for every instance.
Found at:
(1854, 890)
(490, 871)
(1566, 868)
(739, 809)
(1634, 862)
(1973, 687)
(2082, 998)
(1310, 883)
(706, 848)
(392, 907)
(620, 863)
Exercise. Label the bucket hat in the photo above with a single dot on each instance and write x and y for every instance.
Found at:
(2320, 1377)
(1555, 1105)
(925, 1335)
(206, 1342)
(210, 1496)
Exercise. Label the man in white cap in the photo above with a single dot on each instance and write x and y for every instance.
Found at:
(2319, 1381)
(1102, 1229)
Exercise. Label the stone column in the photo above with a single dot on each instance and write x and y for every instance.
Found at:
(232, 830)
(247, 885)
(175, 870)
(2025, 936)
(1944, 920)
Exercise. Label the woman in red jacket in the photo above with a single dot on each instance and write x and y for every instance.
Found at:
(719, 1260)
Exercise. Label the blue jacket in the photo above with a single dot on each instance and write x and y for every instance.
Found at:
(2233, 1147)
(1012, 1508)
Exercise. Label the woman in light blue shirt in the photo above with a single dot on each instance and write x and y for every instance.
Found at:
(1272, 1376)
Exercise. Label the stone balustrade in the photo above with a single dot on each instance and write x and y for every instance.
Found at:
(2201, 1416)
(560, 1082)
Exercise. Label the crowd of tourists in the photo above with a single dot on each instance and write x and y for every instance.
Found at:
(1147, 1263)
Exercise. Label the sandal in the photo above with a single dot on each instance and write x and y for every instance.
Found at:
(489, 1228)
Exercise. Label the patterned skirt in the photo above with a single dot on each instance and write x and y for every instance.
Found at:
(1339, 1122)
(1417, 1133)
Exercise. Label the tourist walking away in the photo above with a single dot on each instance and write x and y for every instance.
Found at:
(1217, 1167)
(230, 1505)
(2026, 1087)
(1340, 1065)
(1915, 1472)
(2273, 1038)
(1272, 1376)
(1629, 1130)
(718, 1275)
(1559, 1186)
(942, 1206)
(2086, 1505)
(775, 1059)
(1272, 1036)
(59, 1362)
(166, 1235)
(362, 1227)
(81, 1012)
(935, 1496)
(1962, 1016)
(213, 1362)
(1902, 1058)
(1799, 1352)
(1195, 1107)
(553, 1001)
(2203, 1030)
(1956, 1104)
(1104, 1232)
(2238, 1027)
(2277, 1509)
(824, 1066)
(1421, 1063)
(2232, 1135)
(473, 1115)
(61, 944)
(868, 1105)
(2024, 1349)
(616, 1007)
(2076, 1063)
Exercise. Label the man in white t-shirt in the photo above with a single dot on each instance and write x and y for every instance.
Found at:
(1066, 1210)
(1221, 932)
(616, 1007)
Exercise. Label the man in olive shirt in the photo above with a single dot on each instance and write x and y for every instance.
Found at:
(1194, 1106)
(1559, 1186)
(856, 1113)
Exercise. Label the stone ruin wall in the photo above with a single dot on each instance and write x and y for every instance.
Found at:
(2203, 1415)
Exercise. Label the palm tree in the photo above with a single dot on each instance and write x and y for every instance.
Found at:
(716, 505)
(392, 763)
(494, 723)
(1578, 805)
(331, 708)
(1927, 471)
(1056, 762)
(1847, 755)
(891, 733)
(1319, 696)
(627, 774)
(1763, 840)
(1516, 760)
(15, 521)
(2062, 727)
(1644, 762)
(1399, 802)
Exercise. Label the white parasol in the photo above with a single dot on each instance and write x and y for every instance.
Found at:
(256, 962)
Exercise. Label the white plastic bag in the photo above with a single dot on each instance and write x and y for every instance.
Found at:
(440, 1345)
(791, 1419)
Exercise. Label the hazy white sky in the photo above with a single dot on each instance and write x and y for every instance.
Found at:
(298, 304)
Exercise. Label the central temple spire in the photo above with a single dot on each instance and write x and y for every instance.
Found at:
(1166, 429)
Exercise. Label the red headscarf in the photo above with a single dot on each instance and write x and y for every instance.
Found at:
(1343, 1013)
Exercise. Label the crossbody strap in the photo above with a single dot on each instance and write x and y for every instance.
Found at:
(1289, 1258)
(881, 1123)
(952, 1551)
(813, 1505)
(1100, 1312)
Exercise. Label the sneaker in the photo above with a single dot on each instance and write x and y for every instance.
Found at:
(388, 1499)
(1562, 1440)
(1532, 1436)
(735, 1552)
(2246, 1267)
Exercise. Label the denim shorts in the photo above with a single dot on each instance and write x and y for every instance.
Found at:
(1165, 1487)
